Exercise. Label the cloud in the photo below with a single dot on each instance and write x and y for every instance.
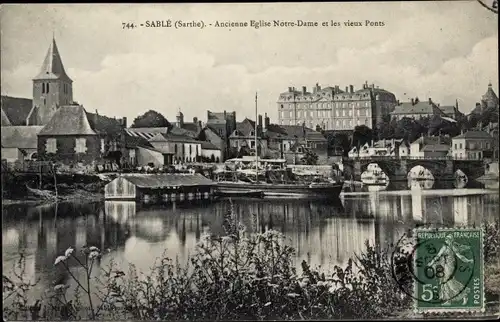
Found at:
(433, 50)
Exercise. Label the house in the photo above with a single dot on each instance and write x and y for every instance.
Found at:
(417, 146)
(69, 137)
(19, 143)
(284, 141)
(210, 134)
(183, 148)
(140, 152)
(416, 110)
(451, 111)
(211, 152)
(435, 150)
(243, 138)
(186, 128)
(223, 123)
(472, 145)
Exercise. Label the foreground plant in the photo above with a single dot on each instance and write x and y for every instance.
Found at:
(235, 276)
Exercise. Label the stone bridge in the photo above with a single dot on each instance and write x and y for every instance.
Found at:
(443, 169)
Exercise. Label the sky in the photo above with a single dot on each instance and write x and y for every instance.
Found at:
(445, 50)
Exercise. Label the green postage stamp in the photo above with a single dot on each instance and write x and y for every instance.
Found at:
(449, 270)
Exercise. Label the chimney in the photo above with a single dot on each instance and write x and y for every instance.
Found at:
(304, 89)
(430, 100)
(351, 89)
(290, 89)
(199, 125)
(260, 121)
(195, 119)
(347, 89)
(373, 85)
(412, 101)
(124, 122)
(266, 121)
(398, 102)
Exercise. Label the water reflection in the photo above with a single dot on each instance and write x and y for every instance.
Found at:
(322, 233)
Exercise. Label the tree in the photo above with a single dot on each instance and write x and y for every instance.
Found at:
(151, 119)
(362, 134)
(338, 141)
(309, 158)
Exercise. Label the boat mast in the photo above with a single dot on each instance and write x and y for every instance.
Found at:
(256, 146)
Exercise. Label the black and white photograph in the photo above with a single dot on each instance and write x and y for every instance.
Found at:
(250, 161)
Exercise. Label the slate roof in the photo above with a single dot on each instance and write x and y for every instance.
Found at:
(417, 108)
(448, 109)
(145, 132)
(68, 120)
(16, 109)
(298, 130)
(436, 148)
(23, 137)
(474, 135)
(132, 142)
(162, 137)
(183, 131)
(209, 145)
(104, 124)
(52, 67)
(425, 140)
(156, 181)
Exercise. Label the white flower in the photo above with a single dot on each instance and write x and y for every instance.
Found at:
(292, 295)
(93, 254)
(60, 259)
(332, 290)
(68, 252)
(94, 249)
(267, 304)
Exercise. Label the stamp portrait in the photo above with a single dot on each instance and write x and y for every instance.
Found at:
(448, 270)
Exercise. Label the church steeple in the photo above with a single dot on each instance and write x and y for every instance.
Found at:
(52, 88)
(52, 67)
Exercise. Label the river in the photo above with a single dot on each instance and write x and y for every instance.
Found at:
(322, 233)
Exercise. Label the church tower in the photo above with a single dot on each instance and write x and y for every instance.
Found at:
(52, 88)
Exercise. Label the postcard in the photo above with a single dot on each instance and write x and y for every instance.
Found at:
(253, 161)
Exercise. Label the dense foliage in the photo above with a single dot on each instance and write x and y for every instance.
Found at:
(151, 119)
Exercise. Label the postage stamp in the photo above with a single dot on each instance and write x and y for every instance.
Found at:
(448, 270)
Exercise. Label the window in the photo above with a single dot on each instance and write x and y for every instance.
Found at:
(47, 87)
(343, 113)
(311, 113)
(175, 148)
(190, 150)
(460, 148)
(299, 114)
(103, 146)
(80, 145)
(281, 105)
(252, 133)
(349, 113)
(51, 146)
(252, 144)
(43, 88)
(455, 146)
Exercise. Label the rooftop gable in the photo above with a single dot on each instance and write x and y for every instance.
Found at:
(23, 137)
(52, 67)
(16, 109)
(68, 120)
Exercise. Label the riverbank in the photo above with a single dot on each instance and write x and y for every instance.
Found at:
(79, 195)
(34, 189)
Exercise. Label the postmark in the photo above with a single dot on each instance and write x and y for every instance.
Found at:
(441, 269)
